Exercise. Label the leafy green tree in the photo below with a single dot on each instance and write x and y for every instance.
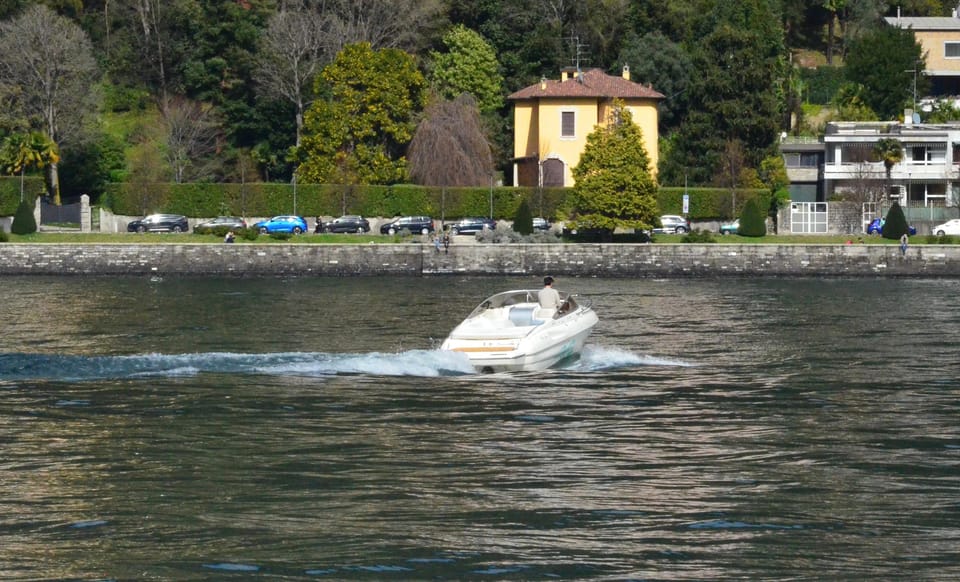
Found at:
(883, 61)
(653, 58)
(469, 66)
(752, 219)
(895, 224)
(523, 219)
(92, 164)
(739, 61)
(23, 221)
(850, 105)
(614, 187)
(359, 132)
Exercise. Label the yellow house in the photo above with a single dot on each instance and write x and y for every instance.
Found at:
(939, 40)
(553, 118)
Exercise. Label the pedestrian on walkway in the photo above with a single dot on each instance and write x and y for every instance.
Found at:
(904, 242)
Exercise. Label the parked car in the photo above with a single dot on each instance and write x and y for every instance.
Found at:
(414, 224)
(730, 227)
(347, 223)
(672, 224)
(540, 224)
(229, 222)
(951, 227)
(160, 223)
(283, 223)
(472, 225)
(876, 227)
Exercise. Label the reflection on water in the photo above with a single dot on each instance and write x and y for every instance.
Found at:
(307, 429)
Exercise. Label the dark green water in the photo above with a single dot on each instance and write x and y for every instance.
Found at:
(305, 430)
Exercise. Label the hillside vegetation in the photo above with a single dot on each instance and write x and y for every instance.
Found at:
(230, 91)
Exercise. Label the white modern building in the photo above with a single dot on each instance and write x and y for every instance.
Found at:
(927, 176)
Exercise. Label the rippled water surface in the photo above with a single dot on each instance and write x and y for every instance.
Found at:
(306, 429)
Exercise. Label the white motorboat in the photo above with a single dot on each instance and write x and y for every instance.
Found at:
(510, 332)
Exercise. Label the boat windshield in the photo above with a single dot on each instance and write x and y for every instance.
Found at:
(508, 298)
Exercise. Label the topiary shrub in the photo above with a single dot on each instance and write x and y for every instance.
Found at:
(895, 224)
(523, 220)
(23, 220)
(753, 220)
(4, 237)
(248, 233)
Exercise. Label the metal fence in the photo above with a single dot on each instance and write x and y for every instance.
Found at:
(64, 214)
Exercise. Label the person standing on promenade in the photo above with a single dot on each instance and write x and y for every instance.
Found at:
(904, 242)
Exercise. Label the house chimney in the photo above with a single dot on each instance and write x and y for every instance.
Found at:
(543, 83)
(626, 72)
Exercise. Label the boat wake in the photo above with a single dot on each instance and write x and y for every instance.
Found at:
(18, 367)
(597, 358)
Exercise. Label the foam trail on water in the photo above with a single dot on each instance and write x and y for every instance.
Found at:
(426, 363)
(596, 357)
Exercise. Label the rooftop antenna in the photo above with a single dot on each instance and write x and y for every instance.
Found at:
(578, 55)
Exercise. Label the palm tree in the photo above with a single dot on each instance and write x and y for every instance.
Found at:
(890, 151)
(22, 151)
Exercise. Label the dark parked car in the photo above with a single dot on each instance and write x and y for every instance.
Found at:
(160, 223)
(285, 223)
(228, 222)
(414, 224)
(473, 225)
(347, 223)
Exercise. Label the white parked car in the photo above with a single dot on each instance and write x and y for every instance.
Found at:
(949, 227)
(672, 224)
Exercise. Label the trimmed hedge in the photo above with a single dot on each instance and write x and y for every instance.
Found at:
(10, 192)
(269, 199)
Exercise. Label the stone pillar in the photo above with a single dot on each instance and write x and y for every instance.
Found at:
(36, 211)
(85, 217)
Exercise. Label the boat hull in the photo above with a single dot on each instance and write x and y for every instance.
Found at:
(539, 348)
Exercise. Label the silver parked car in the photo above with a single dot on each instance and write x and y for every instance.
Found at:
(672, 224)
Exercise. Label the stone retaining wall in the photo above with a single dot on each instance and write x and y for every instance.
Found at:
(606, 260)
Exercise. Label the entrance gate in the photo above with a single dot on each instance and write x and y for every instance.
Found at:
(808, 217)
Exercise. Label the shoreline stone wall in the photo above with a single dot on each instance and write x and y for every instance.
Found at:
(602, 260)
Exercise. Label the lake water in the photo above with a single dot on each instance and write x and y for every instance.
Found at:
(305, 429)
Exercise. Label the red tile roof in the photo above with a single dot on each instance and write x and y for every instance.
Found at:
(595, 83)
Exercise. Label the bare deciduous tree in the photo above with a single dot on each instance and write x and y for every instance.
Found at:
(152, 42)
(449, 147)
(383, 23)
(192, 132)
(291, 55)
(49, 60)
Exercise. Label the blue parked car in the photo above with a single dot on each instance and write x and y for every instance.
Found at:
(292, 224)
(876, 227)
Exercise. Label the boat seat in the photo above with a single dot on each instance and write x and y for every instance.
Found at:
(545, 313)
(522, 316)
